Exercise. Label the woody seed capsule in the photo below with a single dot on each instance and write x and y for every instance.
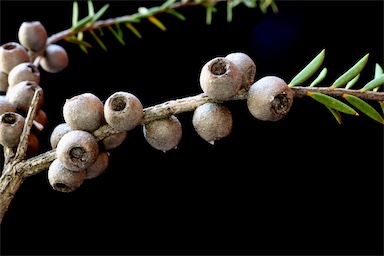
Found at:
(269, 98)
(123, 111)
(12, 54)
(32, 35)
(11, 127)
(63, 180)
(220, 78)
(77, 150)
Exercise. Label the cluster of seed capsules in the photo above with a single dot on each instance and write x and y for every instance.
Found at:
(80, 154)
(19, 80)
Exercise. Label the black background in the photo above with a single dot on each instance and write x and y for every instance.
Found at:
(302, 185)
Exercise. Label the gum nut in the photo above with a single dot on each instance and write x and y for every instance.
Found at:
(269, 98)
(123, 111)
(164, 134)
(84, 112)
(11, 127)
(63, 180)
(57, 133)
(33, 144)
(99, 166)
(114, 140)
(246, 65)
(55, 59)
(220, 78)
(77, 150)
(3, 82)
(32, 35)
(21, 95)
(23, 72)
(212, 121)
(12, 54)
(6, 106)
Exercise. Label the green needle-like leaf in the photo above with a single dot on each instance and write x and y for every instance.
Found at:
(98, 40)
(319, 78)
(210, 8)
(308, 70)
(91, 10)
(176, 14)
(167, 4)
(374, 83)
(81, 23)
(378, 72)
(352, 82)
(229, 11)
(117, 35)
(364, 107)
(336, 114)
(332, 103)
(251, 3)
(350, 73)
(98, 15)
(75, 14)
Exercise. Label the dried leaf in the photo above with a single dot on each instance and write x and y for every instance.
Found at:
(133, 29)
(158, 23)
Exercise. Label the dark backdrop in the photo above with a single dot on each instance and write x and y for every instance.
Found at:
(302, 185)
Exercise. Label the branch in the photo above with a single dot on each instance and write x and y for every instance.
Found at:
(300, 91)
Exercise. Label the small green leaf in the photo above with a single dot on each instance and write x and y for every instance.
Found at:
(251, 3)
(91, 10)
(336, 114)
(376, 82)
(98, 40)
(117, 35)
(75, 13)
(364, 107)
(133, 29)
(308, 70)
(350, 73)
(100, 13)
(210, 8)
(352, 82)
(229, 11)
(167, 4)
(176, 14)
(319, 78)
(158, 23)
(378, 72)
(81, 23)
(332, 103)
